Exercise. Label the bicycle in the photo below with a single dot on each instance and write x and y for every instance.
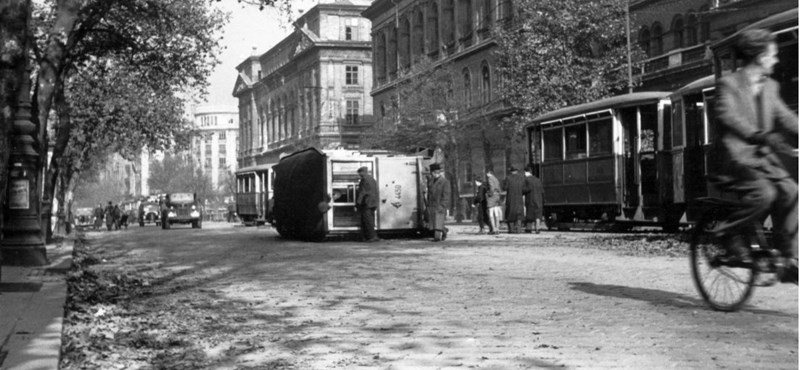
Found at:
(727, 286)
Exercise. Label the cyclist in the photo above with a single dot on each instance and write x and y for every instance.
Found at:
(753, 124)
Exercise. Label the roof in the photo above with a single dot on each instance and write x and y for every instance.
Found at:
(608, 103)
(696, 85)
(776, 22)
(255, 168)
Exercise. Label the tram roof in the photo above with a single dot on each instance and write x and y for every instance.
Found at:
(259, 167)
(603, 104)
(696, 85)
(784, 20)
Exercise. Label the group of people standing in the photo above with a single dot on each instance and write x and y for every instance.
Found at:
(524, 201)
(113, 216)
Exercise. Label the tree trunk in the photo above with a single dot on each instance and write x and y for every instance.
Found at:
(49, 84)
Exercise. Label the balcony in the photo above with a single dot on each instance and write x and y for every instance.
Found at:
(674, 59)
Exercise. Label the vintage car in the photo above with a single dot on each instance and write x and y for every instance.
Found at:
(84, 218)
(149, 212)
(181, 208)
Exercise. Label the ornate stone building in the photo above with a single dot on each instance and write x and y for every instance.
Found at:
(456, 33)
(676, 34)
(311, 89)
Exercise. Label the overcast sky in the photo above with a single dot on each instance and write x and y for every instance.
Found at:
(248, 28)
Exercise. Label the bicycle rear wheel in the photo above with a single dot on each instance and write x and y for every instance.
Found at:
(724, 288)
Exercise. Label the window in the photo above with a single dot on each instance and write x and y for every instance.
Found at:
(222, 163)
(600, 137)
(208, 163)
(657, 40)
(222, 149)
(352, 112)
(486, 85)
(644, 40)
(467, 88)
(575, 141)
(348, 33)
(677, 33)
(208, 148)
(351, 75)
(222, 135)
(552, 144)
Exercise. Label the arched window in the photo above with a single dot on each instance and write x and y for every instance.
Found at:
(448, 23)
(691, 29)
(486, 85)
(677, 32)
(405, 43)
(644, 40)
(433, 29)
(488, 14)
(505, 9)
(705, 27)
(391, 56)
(657, 40)
(417, 36)
(467, 88)
(380, 55)
(465, 19)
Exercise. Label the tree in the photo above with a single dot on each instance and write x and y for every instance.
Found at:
(425, 115)
(179, 174)
(562, 53)
(171, 41)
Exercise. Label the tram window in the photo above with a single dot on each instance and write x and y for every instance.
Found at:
(600, 137)
(677, 125)
(344, 194)
(552, 144)
(575, 141)
(649, 127)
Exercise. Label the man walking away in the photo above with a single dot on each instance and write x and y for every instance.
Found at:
(493, 202)
(439, 202)
(481, 212)
(534, 200)
(514, 185)
(98, 217)
(109, 213)
(366, 203)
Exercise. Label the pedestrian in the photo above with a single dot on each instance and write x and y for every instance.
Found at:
(514, 185)
(439, 202)
(98, 217)
(109, 215)
(117, 217)
(479, 203)
(366, 204)
(754, 125)
(534, 200)
(493, 206)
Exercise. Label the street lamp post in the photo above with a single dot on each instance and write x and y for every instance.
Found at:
(628, 34)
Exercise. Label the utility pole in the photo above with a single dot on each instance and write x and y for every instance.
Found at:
(628, 34)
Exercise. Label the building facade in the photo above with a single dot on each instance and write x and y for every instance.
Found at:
(311, 89)
(215, 145)
(676, 34)
(456, 33)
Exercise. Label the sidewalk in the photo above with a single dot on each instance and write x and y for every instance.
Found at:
(32, 311)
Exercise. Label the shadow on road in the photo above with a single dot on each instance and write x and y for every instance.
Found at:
(657, 297)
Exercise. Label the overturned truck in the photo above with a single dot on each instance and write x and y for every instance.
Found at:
(315, 194)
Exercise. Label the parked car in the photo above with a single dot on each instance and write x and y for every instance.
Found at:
(181, 208)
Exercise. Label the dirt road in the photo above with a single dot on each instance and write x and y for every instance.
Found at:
(242, 298)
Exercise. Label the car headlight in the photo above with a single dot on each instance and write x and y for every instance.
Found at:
(171, 214)
(195, 214)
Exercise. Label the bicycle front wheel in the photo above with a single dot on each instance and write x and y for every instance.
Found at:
(723, 287)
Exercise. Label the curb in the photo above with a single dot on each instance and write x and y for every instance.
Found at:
(32, 303)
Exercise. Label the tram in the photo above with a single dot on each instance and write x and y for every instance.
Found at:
(253, 194)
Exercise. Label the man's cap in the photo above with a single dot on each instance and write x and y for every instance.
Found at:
(363, 169)
(435, 167)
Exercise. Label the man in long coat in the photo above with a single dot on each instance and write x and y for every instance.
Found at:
(514, 185)
(534, 200)
(366, 204)
(109, 213)
(439, 202)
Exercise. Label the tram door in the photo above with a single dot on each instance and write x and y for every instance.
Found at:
(640, 129)
(343, 182)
